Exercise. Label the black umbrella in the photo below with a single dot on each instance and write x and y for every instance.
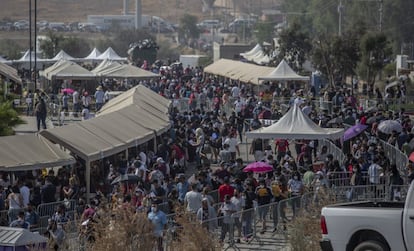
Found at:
(337, 120)
(130, 178)
(371, 120)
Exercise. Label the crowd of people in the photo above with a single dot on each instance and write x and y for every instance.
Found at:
(201, 154)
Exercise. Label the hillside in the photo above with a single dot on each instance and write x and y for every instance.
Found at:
(77, 10)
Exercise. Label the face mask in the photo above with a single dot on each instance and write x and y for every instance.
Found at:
(243, 197)
(354, 170)
(295, 177)
(154, 209)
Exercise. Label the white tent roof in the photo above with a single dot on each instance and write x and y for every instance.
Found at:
(63, 69)
(253, 51)
(111, 55)
(105, 65)
(31, 151)
(94, 55)
(17, 237)
(127, 120)
(126, 71)
(295, 125)
(236, 70)
(26, 57)
(10, 73)
(256, 55)
(284, 72)
(62, 56)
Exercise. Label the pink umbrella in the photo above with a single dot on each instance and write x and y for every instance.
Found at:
(68, 90)
(258, 167)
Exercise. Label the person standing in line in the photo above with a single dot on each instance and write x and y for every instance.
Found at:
(99, 97)
(159, 220)
(41, 113)
(227, 209)
(75, 101)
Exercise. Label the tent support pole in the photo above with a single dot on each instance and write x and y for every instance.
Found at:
(126, 154)
(88, 181)
(247, 148)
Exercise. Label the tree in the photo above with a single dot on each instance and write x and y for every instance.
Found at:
(336, 56)
(75, 46)
(9, 118)
(50, 46)
(10, 48)
(294, 46)
(188, 27)
(375, 49)
(265, 32)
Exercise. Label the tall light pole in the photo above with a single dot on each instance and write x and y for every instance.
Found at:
(340, 10)
(35, 43)
(30, 39)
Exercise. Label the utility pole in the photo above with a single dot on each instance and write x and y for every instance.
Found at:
(340, 10)
(380, 14)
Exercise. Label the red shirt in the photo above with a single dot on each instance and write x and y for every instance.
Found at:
(224, 190)
(281, 145)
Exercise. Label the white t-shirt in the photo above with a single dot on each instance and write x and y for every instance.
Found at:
(25, 192)
(193, 200)
(232, 142)
(235, 91)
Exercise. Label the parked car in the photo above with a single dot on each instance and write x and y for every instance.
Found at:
(369, 225)
(209, 24)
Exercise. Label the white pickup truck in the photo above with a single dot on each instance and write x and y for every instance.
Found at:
(374, 226)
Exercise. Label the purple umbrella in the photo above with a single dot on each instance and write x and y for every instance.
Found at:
(354, 131)
(258, 167)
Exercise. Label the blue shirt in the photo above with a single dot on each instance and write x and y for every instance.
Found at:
(158, 219)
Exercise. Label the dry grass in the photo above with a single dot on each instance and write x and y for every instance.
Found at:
(77, 10)
(305, 232)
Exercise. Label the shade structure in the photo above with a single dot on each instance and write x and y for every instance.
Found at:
(354, 131)
(236, 70)
(26, 57)
(126, 71)
(19, 238)
(62, 55)
(94, 55)
(128, 120)
(64, 69)
(110, 54)
(27, 152)
(295, 125)
(283, 72)
(9, 72)
(105, 65)
(388, 126)
(256, 55)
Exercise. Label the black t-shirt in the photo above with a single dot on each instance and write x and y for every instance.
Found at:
(250, 197)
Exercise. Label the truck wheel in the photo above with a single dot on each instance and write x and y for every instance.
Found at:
(371, 246)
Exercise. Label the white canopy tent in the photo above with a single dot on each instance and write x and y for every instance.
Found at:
(110, 54)
(105, 65)
(9, 73)
(253, 51)
(296, 125)
(284, 72)
(31, 151)
(236, 70)
(256, 55)
(63, 69)
(94, 55)
(126, 121)
(126, 71)
(62, 55)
